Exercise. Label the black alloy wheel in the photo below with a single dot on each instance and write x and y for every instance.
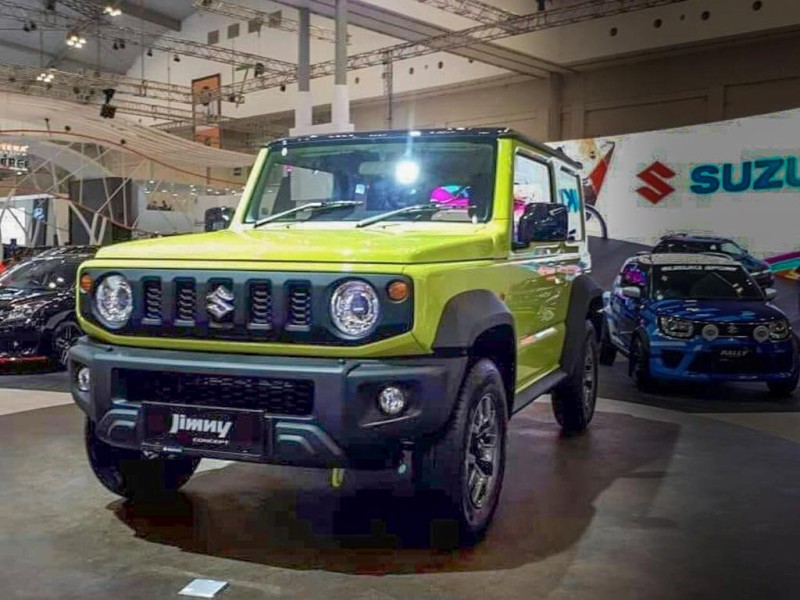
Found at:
(64, 337)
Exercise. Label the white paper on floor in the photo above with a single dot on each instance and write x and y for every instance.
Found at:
(203, 588)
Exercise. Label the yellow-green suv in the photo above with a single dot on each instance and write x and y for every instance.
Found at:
(380, 300)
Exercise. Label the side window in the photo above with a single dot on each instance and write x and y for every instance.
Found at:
(732, 249)
(569, 194)
(531, 184)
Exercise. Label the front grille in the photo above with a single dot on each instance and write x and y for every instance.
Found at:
(152, 299)
(299, 305)
(260, 304)
(755, 364)
(729, 330)
(276, 396)
(185, 301)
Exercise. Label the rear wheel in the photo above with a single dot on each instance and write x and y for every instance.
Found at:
(608, 351)
(127, 473)
(463, 468)
(574, 399)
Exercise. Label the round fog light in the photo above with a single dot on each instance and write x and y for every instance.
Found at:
(392, 401)
(84, 377)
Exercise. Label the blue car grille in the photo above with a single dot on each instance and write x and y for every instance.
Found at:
(729, 330)
(712, 362)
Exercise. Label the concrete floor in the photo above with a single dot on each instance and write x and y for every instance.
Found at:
(651, 503)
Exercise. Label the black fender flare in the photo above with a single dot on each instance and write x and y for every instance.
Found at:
(585, 292)
(466, 316)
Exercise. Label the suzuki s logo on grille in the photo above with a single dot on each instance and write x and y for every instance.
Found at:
(219, 303)
(184, 423)
(655, 177)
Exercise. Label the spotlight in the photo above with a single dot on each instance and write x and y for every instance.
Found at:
(45, 77)
(283, 87)
(112, 9)
(29, 26)
(75, 40)
(50, 5)
(149, 52)
(259, 69)
(115, 46)
(109, 94)
(176, 58)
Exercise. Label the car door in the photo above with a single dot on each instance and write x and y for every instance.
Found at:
(540, 273)
(625, 311)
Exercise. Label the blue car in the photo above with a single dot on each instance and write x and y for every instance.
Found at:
(697, 317)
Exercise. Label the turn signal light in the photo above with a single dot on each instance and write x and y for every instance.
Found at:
(86, 283)
(398, 291)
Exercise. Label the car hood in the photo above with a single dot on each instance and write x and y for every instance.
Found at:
(753, 264)
(10, 297)
(399, 243)
(718, 311)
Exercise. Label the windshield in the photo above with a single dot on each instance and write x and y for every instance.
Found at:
(704, 282)
(372, 178)
(42, 273)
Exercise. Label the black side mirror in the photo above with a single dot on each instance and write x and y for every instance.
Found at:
(542, 222)
(217, 218)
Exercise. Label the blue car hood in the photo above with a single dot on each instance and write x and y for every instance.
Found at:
(718, 311)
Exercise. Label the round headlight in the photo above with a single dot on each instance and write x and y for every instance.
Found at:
(355, 308)
(114, 301)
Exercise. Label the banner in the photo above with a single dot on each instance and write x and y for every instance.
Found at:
(738, 179)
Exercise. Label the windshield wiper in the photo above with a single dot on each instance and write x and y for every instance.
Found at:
(313, 206)
(404, 211)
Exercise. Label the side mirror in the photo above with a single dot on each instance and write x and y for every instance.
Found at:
(217, 218)
(543, 222)
(770, 293)
(631, 291)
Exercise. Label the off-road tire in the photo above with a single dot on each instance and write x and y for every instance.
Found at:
(445, 466)
(608, 351)
(574, 399)
(128, 474)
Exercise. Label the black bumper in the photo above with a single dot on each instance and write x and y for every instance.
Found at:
(342, 427)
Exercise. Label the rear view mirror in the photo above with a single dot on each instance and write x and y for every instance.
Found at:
(631, 291)
(770, 293)
(543, 222)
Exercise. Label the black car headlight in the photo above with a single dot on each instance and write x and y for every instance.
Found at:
(675, 327)
(113, 301)
(779, 330)
(355, 308)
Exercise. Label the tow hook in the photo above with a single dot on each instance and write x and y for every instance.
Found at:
(337, 478)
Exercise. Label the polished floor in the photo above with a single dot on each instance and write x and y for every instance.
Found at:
(665, 497)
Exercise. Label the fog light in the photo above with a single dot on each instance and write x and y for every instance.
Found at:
(392, 401)
(84, 378)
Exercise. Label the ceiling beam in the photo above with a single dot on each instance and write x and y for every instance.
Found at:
(151, 16)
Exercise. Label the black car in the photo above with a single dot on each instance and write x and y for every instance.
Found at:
(692, 244)
(37, 306)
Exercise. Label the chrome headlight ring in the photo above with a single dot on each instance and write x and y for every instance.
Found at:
(355, 308)
(113, 301)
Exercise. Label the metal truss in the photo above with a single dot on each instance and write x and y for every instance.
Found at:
(145, 39)
(471, 9)
(84, 86)
(518, 25)
(273, 20)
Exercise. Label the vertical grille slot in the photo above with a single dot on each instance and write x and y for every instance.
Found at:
(185, 301)
(260, 305)
(299, 306)
(152, 299)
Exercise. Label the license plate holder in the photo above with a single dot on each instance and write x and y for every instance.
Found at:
(204, 429)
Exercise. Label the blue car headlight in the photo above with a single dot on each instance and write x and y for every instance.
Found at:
(779, 330)
(675, 327)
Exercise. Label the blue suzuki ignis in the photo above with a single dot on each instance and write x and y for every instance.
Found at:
(697, 317)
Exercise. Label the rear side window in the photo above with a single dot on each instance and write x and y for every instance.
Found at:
(569, 194)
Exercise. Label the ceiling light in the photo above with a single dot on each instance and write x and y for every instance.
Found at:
(75, 40)
(45, 77)
(112, 9)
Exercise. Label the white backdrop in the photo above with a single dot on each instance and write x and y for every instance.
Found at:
(761, 154)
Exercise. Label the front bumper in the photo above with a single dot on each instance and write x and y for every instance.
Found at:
(20, 345)
(765, 279)
(724, 359)
(343, 427)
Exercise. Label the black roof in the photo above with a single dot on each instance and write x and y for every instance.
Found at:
(690, 237)
(455, 132)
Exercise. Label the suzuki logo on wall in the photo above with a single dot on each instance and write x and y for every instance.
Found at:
(657, 188)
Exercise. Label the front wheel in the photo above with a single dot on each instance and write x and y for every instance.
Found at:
(574, 399)
(64, 337)
(463, 468)
(128, 474)
(639, 366)
(784, 388)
